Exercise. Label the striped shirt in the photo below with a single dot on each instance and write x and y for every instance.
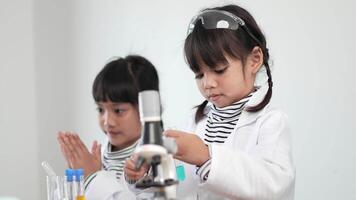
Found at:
(220, 125)
(222, 121)
(113, 161)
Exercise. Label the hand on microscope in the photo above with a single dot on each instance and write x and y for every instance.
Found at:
(131, 173)
(77, 155)
(191, 149)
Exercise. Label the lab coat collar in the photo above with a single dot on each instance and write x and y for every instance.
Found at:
(249, 117)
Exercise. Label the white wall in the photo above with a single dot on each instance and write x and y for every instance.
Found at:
(311, 44)
(55, 80)
(314, 49)
(18, 128)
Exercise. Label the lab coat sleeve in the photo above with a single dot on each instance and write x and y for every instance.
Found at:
(106, 187)
(266, 172)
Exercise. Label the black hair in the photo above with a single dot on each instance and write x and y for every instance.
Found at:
(211, 45)
(122, 79)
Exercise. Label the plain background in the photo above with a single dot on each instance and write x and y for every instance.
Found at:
(51, 50)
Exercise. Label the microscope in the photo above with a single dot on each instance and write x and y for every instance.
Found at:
(155, 149)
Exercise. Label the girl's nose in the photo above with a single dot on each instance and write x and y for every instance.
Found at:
(209, 81)
(108, 119)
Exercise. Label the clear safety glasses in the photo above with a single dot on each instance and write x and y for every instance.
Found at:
(219, 19)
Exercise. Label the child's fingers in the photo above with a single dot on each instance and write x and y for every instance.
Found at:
(134, 157)
(62, 139)
(66, 153)
(130, 164)
(79, 147)
(61, 135)
(94, 147)
(68, 140)
(172, 133)
(69, 158)
(96, 150)
(178, 157)
(133, 174)
(62, 145)
(98, 154)
(129, 169)
(80, 144)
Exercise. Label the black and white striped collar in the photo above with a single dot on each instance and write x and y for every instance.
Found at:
(248, 117)
(122, 152)
(228, 113)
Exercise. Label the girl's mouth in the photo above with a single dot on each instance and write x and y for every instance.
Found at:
(214, 97)
(113, 133)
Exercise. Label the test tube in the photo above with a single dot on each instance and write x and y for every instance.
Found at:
(49, 188)
(48, 169)
(69, 186)
(79, 178)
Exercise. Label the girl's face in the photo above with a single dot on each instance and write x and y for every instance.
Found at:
(120, 122)
(229, 83)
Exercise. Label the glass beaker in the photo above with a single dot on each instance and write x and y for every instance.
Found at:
(56, 188)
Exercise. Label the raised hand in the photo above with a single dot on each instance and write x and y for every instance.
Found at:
(77, 155)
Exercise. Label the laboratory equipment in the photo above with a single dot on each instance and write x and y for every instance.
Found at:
(155, 149)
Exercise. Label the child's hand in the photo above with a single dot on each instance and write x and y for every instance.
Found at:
(191, 149)
(77, 154)
(131, 173)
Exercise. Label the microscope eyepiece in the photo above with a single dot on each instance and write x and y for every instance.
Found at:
(149, 105)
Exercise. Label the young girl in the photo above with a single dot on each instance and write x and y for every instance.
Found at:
(235, 146)
(115, 91)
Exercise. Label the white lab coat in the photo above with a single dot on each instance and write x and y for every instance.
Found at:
(105, 186)
(255, 162)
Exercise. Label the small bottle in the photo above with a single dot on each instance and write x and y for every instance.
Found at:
(79, 179)
(69, 186)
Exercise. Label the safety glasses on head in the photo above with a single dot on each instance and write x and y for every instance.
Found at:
(219, 19)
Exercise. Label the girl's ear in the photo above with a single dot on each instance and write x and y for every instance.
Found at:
(255, 59)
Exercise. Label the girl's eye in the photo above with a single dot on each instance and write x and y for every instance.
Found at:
(100, 110)
(220, 71)
(118, 110)
(199, 76)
